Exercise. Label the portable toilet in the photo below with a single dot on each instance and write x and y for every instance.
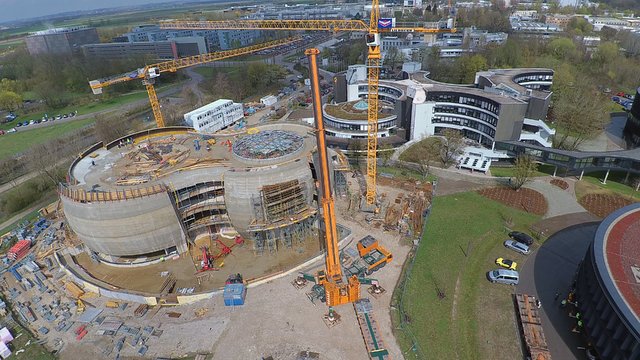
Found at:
(234, 294)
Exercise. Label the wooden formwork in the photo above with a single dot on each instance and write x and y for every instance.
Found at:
(531, 326)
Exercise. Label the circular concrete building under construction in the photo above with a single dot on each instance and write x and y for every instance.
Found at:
(159, 192)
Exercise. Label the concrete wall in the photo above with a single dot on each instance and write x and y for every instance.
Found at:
(510, 121)
(126, 228)
(240, 186)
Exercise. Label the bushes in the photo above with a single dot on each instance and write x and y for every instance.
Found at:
(28, 193)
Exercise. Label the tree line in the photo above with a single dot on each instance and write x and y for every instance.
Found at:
(61, 80)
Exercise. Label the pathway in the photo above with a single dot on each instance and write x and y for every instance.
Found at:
(560, 201)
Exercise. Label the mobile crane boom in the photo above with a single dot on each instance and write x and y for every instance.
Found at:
(337, 290)
(148, 73)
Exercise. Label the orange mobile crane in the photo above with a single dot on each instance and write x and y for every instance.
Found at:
(337, 290)
(375, 27)
(148, 73)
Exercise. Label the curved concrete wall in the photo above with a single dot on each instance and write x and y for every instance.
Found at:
(240, 186)
(126, 228)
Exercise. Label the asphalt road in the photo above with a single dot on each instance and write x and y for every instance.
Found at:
(551, 269)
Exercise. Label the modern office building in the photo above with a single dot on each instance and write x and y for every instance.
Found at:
(61, 41)
(212, 40)
(158, 50)
(214, 116)
(501, 106)
(608, 287)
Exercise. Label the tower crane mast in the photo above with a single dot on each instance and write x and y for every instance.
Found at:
(375, 27)
(148, 73)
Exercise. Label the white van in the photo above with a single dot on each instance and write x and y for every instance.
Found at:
(504, 276)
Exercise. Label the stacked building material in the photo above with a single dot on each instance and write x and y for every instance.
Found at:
(19, 250)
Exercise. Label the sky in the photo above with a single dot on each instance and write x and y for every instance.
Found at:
(22, 9)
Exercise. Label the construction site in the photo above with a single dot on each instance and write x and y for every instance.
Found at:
(175, 201)
(161, 225)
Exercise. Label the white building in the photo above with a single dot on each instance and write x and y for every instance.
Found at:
(268, 100)
(215, 116)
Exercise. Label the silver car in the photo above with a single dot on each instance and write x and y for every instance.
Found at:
(517, 247)
(503, 276)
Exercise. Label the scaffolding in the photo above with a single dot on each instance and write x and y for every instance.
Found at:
(282, 216)
(201, 208)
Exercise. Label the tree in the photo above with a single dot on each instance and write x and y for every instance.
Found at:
(431, 150)
(562, 48)
(606, 53)
(579, 26)
(451, 147)
(108, 129)
(524, 168)
(468, 66)
(10, 100)
(393, 57)
(579, 114)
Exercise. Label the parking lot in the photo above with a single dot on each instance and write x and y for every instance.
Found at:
(21, 122)
(550, 270)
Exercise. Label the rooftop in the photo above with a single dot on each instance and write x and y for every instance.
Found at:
(179, 155)
(617, 254)
(506, 76)
(59, 30)
(355, 110)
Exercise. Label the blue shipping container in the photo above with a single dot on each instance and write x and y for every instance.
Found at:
(234, 294)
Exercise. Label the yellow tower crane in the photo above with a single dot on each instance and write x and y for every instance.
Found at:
(148, 73)
(375, 27)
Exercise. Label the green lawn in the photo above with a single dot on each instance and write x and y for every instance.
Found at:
(615, 182)
(543, 170)
(403, 174)
(15, 143)
(459, 224)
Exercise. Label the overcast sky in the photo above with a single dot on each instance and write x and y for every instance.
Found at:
(22, 9)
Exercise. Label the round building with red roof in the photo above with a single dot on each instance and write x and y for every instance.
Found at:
(608, 286)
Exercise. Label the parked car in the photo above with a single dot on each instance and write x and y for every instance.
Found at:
(502, 276)
(1, 132)
(12, 130)
(65, 116)
(517, 247)
(19, 124)
(506, 263)
(521, 237)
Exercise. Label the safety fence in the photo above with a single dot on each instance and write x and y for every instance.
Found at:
(399, 319)
(84, 196)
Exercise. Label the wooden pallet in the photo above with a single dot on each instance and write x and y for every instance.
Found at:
(531, 324)
(370, 331)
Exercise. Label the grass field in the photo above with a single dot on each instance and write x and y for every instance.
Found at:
(543, 170)
(475, 318)
(32, 351)
(615, 183)
(403, 174)
(11, 144)
(112, 103)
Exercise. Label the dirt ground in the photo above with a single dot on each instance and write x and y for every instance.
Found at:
(241, 260)
(523, 199)
(277, 319)
(602, 205)
(560, 183)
